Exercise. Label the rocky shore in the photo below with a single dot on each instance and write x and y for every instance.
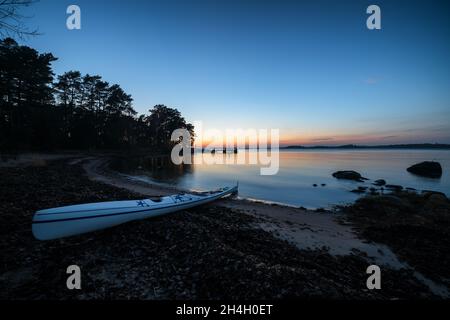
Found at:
(210, 252)
(415, 225)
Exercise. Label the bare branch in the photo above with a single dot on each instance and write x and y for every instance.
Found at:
(11, 21)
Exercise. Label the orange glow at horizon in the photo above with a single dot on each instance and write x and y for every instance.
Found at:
(311, 136)
(312, 140)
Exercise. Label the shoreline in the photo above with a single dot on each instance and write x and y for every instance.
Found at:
(310, 229)
(303, 181)
(315, 240)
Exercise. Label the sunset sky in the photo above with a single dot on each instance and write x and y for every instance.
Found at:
(309, 68)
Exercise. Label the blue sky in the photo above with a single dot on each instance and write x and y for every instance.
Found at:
(310, 68)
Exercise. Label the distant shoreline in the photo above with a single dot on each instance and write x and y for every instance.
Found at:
(413, 146)
(421, 146)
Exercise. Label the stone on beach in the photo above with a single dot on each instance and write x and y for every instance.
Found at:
(393, 201)
(428, 193)
(436, 200)
(430, 169)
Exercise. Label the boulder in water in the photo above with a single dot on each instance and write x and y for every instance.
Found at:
(349, 175)
(379, 182)
(429, 169)
(394, 187)
(359, 190)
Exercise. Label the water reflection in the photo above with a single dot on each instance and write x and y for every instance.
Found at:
(159, 168)
(299, 171)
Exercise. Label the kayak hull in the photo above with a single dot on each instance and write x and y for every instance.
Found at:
(73, 220)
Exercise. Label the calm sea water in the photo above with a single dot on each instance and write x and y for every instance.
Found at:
(299, 170)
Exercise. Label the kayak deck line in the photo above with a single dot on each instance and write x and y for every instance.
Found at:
(157, 204)
(140, 203)
(80, 211)
(72, 220)
(118, 213)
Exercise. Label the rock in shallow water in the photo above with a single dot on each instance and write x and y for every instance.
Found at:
(394, 187)
(430, 169)
(379, 182)
(359, 190)
(349, 175)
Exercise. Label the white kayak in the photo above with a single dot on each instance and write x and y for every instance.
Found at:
(72, 220)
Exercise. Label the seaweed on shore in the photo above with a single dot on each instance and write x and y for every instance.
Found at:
(208, 252)
(416, 226)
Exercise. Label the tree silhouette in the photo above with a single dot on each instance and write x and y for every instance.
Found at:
(76, 111)
(118, 102)
(26, 75)
(26, 89)
(162, 121)
(68, 88)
